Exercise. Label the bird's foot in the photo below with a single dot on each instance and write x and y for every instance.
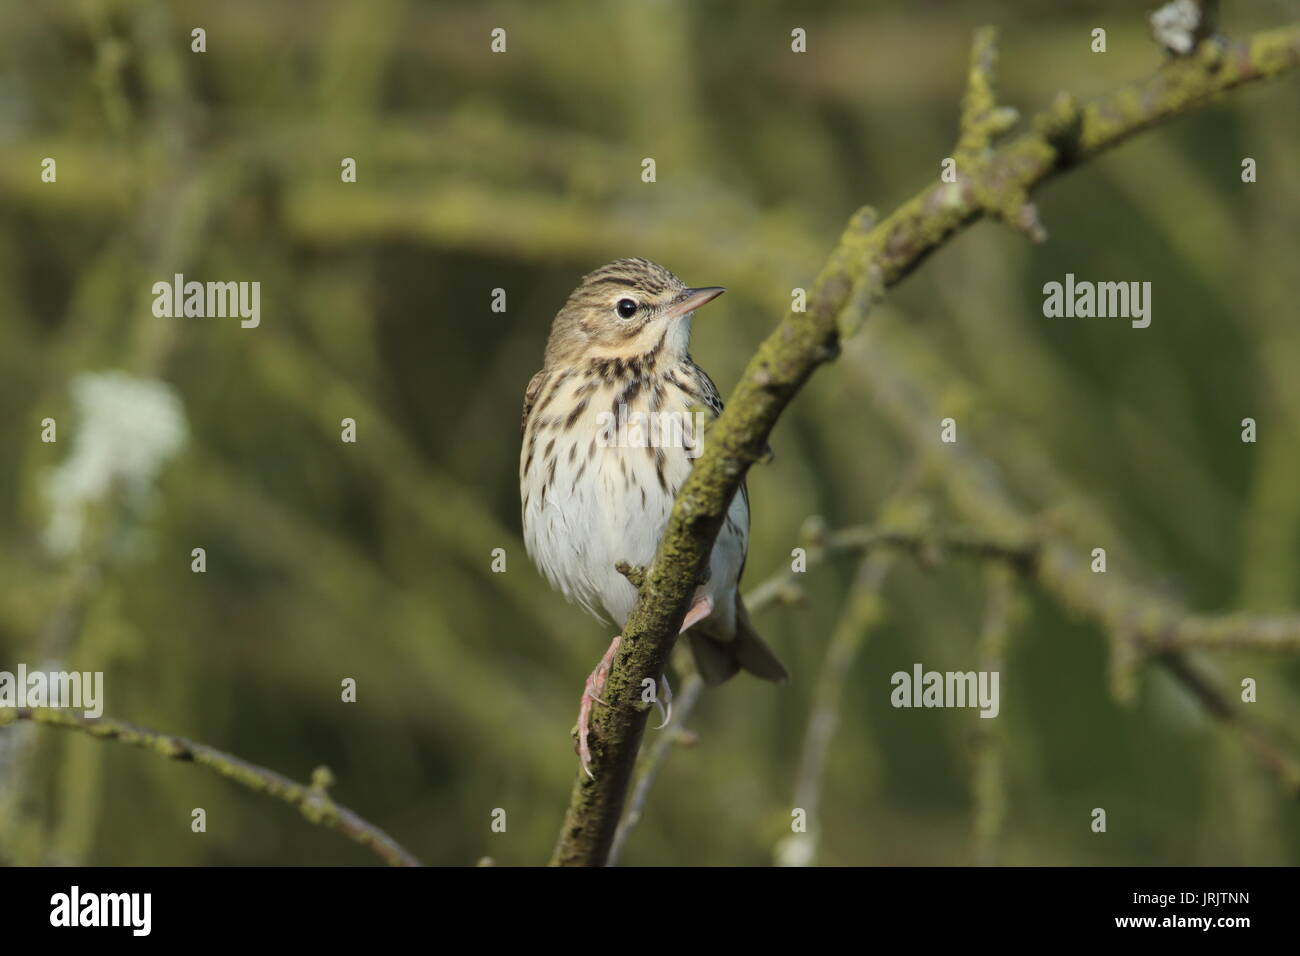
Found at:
(664, 702)
(591, 691)
(595, 686)
(701, 609)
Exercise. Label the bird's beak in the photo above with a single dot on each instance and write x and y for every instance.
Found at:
(692, 299)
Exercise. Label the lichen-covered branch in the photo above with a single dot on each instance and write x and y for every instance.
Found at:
(871, 256)
(1153, 622)
(312, 801)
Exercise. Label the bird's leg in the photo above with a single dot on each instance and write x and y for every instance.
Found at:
(595, 685)
(591, 692)
(701, 609)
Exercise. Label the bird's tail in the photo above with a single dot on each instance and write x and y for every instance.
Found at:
(718, 657)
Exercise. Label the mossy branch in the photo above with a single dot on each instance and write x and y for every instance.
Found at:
(311, 800)
(871, 257)
(1048, 558)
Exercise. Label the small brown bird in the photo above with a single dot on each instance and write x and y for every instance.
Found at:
(609, 436)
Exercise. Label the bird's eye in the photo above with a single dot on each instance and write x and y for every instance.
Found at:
(626, 308)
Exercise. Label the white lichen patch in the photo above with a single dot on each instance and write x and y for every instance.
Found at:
(1174, 26)
(125, 430)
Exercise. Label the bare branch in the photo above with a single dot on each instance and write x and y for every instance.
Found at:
(862, 612)
(1281, 764)
(312, 801)
(988, 790)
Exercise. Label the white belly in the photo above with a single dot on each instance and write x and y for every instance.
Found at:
(606, 504)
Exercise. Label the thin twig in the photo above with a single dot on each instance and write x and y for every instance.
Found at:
(1281, 764)
(987, 787)
(862, 611)
(312, 801)
(928, 547)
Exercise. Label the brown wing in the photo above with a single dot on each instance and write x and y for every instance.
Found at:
(718, 657)
(533, 390)
(709, 392)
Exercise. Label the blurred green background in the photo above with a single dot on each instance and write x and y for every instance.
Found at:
(521, 171)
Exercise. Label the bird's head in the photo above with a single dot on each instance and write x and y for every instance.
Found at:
(624, 309)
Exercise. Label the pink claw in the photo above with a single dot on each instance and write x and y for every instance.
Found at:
(591, 692)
